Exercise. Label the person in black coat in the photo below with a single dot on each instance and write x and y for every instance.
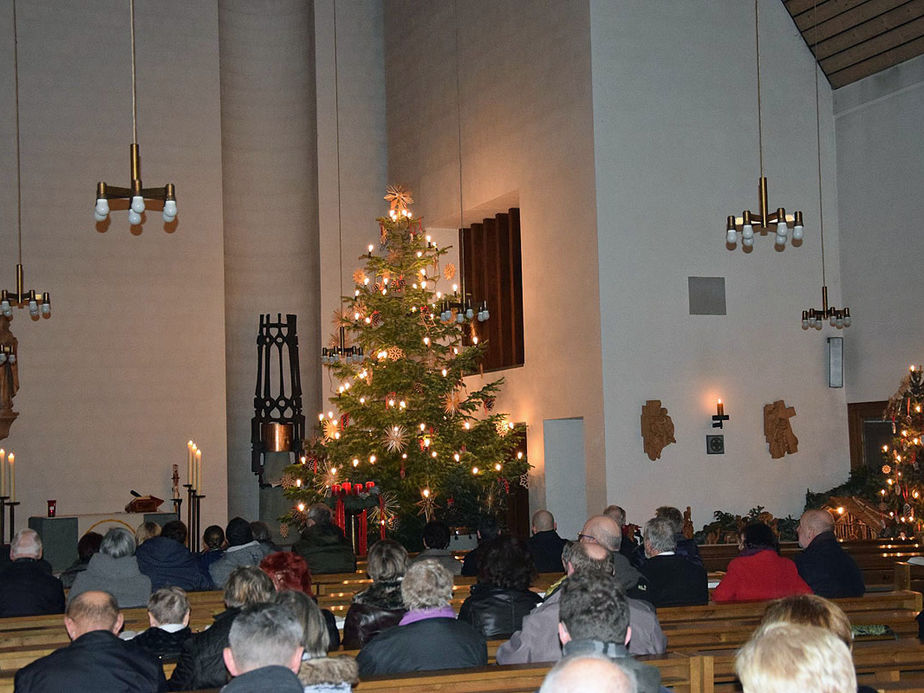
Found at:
(381, 606)
(501, 597)
(201, 663)
(166, 560)
(26, 587)
(829, 570)
(545, 546)
(487, 532)
(672, 580)
(323, 545)
(96, 660)
(168, 612)
(428, 637)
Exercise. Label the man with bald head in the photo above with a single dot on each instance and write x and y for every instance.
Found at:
(96, 660)
(823, 564)
(588, 674)
(545, 545)
(604, 531)
(538, 641)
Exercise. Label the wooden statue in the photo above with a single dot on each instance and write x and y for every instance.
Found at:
(688, 530)
(778, 430)
(657, 429)
(9, 377)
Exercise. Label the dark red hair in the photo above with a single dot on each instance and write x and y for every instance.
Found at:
(288, 571)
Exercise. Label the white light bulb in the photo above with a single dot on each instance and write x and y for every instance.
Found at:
(805, 324)
(33, 309)
(840, 323)
(747, 231)
(12, 358)
(846, 321)
(460, 318)
(2, 358)
(102, 207)
(731, 237)
(134, 218)
(817, 323)
(46, 310)
(780, 240)
(747, 242)
(138, 204)
(169, 211)
(798, 232)
(469, 313)
(782, 229)
(100, 217)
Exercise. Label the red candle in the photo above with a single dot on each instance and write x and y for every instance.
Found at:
(335, 489)
(370, 484)
(346, 486)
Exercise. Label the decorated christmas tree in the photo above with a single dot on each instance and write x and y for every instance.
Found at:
(901, 495)
(404, 439)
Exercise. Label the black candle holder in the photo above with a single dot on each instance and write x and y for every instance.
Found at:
(718, 420)
(5, 503)
(193, 516)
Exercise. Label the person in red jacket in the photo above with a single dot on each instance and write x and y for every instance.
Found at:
(759, 572)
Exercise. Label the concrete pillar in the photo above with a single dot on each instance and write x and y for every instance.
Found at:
(269, 167)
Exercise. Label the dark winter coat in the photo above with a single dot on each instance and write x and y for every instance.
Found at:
(428, 645)
(201, 663)
(168, 563)
(26, 589)
(273, 679)
(326, 550)
(675, 581)
(96, 661)
(546, 548)
(162, 643)
(496, 612)
(373, 610)
(647, 676)
(829, 570)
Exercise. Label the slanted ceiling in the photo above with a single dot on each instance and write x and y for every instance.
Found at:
(858, 38)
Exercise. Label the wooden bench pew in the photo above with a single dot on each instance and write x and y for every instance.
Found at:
(681, 673)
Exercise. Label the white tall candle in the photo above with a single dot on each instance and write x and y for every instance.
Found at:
(2, 472)
(12, 478)
(198, 470)
(189, 462)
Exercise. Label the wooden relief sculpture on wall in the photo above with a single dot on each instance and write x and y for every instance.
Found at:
(9, 377)
(778, 429)
(657, 429)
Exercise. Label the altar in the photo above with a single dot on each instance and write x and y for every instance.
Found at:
(60, 534)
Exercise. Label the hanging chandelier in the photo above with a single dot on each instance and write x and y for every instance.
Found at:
(136, 193)
(38, 302)
(815, 317)
(763, 220)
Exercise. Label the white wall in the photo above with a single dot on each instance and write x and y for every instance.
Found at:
(880, 175)
(527, 133)
(132, 363)
(675, 128)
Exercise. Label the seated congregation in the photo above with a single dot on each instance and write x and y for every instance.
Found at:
(598, 609)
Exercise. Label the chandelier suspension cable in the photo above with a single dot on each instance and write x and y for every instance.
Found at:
(131, 10)
(18, 135)
(760, 127)
(455, 16)
(337, 121)
(821, 211)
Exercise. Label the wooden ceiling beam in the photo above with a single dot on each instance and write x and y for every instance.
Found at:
(857, 16)
(877, 63)
(906, 14)
(803, 11)
(875, 46)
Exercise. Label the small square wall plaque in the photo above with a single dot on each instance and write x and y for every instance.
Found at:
(715, 445)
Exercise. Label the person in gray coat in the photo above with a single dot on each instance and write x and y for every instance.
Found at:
(115, 570)
(242, 549)
(537, 640)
